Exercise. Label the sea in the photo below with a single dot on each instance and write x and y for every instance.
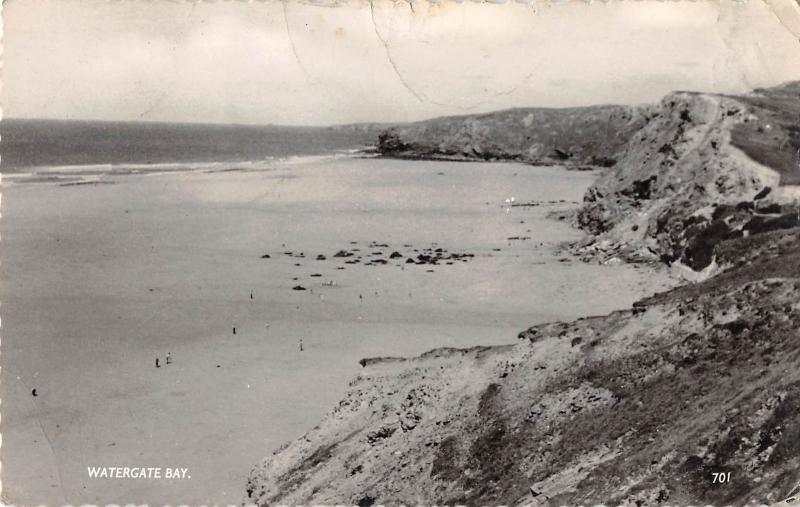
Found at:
(29, 145)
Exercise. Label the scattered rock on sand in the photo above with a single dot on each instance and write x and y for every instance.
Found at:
(298, 287)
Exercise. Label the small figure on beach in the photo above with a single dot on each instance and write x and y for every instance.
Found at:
(251, 294)
(509, 203)
(157, 364)
(169, 358)
(33, 392)
(301, 344)
(234, 329)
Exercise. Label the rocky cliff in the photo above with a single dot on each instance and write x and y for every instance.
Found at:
(585, 136)
(640, 407)
(704, 168)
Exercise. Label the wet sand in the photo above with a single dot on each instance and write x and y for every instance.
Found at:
(99, 280)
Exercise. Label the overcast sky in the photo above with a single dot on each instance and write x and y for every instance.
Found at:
(295, 63)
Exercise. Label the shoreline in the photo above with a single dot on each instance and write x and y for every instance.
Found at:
(566, 164)
(91, 173)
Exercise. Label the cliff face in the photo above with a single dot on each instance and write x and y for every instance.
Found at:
(685, 181)
(641, 406)
(575, 136)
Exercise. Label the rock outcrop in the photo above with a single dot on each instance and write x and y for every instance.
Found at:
(644, 406)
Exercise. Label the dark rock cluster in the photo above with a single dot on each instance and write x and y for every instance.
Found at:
(379, 254)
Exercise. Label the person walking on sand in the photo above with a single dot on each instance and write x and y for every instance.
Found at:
(301, 344)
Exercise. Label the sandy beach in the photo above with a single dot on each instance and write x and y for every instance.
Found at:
(100, 280)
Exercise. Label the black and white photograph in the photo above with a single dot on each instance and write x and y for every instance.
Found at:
(400, 253)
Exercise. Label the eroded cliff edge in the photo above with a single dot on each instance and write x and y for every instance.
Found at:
(639, 406)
